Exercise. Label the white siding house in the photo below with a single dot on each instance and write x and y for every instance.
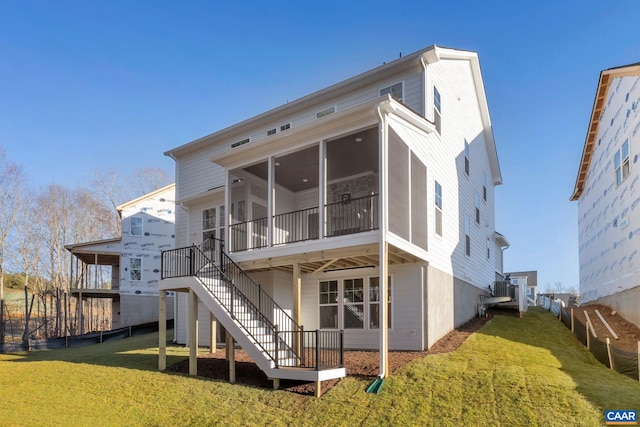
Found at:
(134, 260)
(389, 174)
(608, 195)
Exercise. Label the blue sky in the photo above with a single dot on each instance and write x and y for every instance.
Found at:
(89, 84)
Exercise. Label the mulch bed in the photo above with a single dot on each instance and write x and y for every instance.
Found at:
(362, 364)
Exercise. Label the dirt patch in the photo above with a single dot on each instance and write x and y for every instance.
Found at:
(362, 364)
(628, 333)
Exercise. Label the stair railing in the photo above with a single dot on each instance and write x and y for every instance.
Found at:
(210, 261)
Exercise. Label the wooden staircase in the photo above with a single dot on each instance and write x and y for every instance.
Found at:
(276, 343)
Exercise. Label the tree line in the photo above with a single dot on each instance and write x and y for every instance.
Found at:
(37, 223)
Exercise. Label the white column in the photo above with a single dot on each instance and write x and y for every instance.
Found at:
(162, 331)
(271, 199)
(322, 187)
(193, 333)
(384, 248)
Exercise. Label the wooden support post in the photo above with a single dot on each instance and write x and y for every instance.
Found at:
(588, 338)
(276, 383)
(318, 389)
(572, 324)
(231, 352)
(162, 331)
(609, 354)
(193, 333)
(213, 340)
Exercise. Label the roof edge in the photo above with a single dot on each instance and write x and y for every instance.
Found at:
(439, 53)
(124, 205)
(361, 78)
(593, 128)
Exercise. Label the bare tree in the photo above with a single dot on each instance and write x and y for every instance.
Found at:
(106, 185)
(113, 189)
(555, 288)
(11, 185)
(150, 179)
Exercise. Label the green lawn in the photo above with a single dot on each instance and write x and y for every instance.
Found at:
(527, 372)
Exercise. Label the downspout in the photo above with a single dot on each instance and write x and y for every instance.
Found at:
(186, 209)
(424, 83)
(384, 350)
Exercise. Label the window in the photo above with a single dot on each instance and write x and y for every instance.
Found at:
(438, 213)
(374, 303)
(208, 223)
(212, 225)
(329, 304)
(239, 143)
(437, 111)
(136, 226)
(621, 163)
(135, 269)
(395, 91)
(285, 127)
(466, 157)
(325, 112)
(467, 235)
(271, 132)
(477, 208)
(353, 307)
(484, 186)
(352, 303)
(488, 249)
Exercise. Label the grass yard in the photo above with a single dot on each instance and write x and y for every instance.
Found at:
(527, 372)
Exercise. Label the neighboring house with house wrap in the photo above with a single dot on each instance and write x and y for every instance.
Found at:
(128, 265)
(387, 175)
(608, 193)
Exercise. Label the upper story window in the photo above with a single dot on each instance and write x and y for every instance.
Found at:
(212, 224)
(437, 109)
(136, 226)
(477, 208)
(208, 219)
(135, 269)
(438, 212)
(621, 162)
(466, 157)
(467, 235)
(271, 132)
(285, 127)
(395, 91)
(488, 249)
(484, 186)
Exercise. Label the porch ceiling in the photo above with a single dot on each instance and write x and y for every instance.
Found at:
(104, 258)
(330, 260)
(113, 294)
